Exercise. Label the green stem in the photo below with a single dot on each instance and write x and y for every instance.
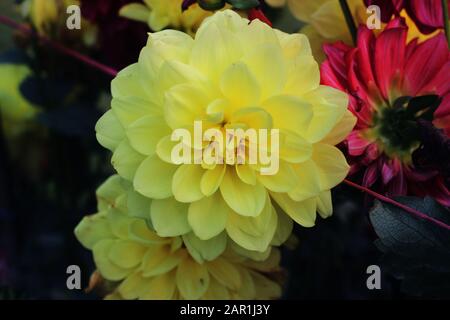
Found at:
(446, 24)
(349, 19)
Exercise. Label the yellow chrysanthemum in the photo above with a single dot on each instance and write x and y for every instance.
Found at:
(326, 22)
(147, 266)
(234, 74)
(14, 108)
(163, 14)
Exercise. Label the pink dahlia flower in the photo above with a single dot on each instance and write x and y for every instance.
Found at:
(399, 92)
(426, 14)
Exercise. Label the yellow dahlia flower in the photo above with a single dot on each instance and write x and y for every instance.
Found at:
(234, 74)
(147, 266)
(161, 14)
(326, 22)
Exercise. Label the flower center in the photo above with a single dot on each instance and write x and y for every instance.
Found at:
(395, 127)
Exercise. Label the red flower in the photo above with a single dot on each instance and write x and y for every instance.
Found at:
(426, 14)
(384, 75)
(257, 13)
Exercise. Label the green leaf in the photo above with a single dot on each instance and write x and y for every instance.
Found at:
(244, 4)
(415, 250)
(211, 5)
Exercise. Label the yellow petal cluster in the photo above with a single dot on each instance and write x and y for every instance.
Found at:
(233, 74)
(145, 266)
(49, 18)
(161, 14)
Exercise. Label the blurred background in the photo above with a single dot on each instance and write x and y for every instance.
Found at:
(51, 166)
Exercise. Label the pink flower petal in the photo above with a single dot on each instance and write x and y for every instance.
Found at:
(440, 84)
(424, 64)
(387, 172)
(398, 186)
(389, 58)
(388, 7)
(364, 55)
(427, 14)
(356, 143)
(328, 77)
(371, 175)
(336, 56)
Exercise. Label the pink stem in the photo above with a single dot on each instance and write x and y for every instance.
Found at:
(397, 204)
(67, 51)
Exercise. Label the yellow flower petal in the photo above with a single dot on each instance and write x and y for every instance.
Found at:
(139, 232)
(240, 86)
(109, 131)
(329, 106)
(246, 173)
(93, 229)
(294, 45)
(309, 186)
(245, 199)
(324, 204)
(126, 160)
(331, 164)
(108, 193)
(341, 130)
(160, 288)
(267, 59)
(304, 212)
(254, 117)
(225, 273)
(253, 233)
(135, 11)
(130, 287)
(284, 229)
(208, 216)
(289, 112)
(138, 205)
(205, 250)
(185, 103)
(214, 50)
(170, 217)
(216, 291)
(265, 288)
(145, 133)
(212, 179)
(126, 254)
(153, 178)
(108, 269)
(303, 76)
(192, 279)
(159, 260)
(294, 148)
(283, 181)
(186, 183)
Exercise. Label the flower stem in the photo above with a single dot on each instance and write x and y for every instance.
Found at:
(349, 19)
(57, 46)
(446, 24)
(412, 211)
